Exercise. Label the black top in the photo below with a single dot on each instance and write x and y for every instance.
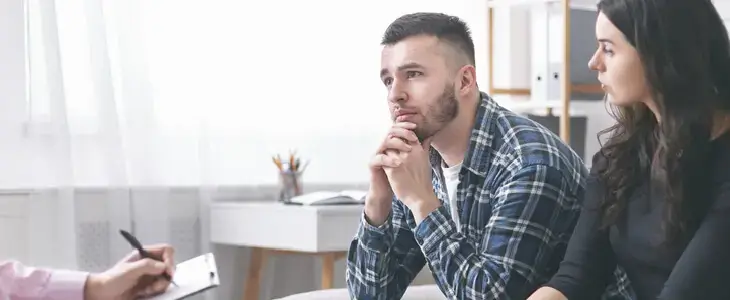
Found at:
(696, 269)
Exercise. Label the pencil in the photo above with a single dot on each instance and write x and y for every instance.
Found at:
(277, 163)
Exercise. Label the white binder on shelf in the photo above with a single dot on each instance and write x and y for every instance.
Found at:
(192, 277)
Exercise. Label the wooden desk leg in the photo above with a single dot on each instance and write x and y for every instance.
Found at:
(257, 262)
(328, 270)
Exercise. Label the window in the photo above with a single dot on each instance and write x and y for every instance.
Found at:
(219, 85)
(70, 57)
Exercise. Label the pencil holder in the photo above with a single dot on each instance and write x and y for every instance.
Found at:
(290, 185)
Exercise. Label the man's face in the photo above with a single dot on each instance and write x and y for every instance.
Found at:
(420, 85)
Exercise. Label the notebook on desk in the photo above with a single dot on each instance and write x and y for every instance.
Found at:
(192, 276)
(330, 198)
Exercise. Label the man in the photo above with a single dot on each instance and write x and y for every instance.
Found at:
(131, 278)
(487, 198)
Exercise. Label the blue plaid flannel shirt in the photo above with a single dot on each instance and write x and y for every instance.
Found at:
(518, 201)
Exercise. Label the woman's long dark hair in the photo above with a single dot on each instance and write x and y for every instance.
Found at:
(685, 52)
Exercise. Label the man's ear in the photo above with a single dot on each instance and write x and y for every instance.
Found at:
(467, 79)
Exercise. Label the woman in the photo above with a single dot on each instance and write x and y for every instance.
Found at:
(656, 222)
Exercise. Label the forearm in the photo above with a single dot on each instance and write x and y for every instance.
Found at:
(377, 212)
(94, 287)
(584, 280)
(20, 282)
(423, 207)
(476, 274)
(381, 262)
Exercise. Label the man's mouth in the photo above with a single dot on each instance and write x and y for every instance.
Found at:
(403, 115)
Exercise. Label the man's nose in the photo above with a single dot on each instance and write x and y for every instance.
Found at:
(396, 93)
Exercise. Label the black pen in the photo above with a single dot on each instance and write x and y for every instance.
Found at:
(143, 253)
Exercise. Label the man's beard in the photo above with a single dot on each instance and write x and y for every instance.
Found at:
(439, 114)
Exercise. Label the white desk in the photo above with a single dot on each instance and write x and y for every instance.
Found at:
(271, 228)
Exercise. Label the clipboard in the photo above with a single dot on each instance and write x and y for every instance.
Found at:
(192, 276)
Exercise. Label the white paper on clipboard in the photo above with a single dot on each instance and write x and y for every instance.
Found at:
(192, 277)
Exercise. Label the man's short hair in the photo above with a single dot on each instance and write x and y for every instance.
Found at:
(448, 29)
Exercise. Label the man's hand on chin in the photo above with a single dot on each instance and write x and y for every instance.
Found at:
(411, 180)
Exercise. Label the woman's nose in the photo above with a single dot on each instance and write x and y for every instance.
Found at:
(595, 63)
(592, 63)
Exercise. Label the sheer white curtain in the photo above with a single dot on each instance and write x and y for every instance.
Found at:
(131, 101)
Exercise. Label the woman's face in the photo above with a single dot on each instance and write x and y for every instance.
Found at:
(619, 67)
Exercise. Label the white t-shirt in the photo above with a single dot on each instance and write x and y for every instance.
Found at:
(451, 175)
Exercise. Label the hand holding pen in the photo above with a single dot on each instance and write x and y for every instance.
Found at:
(143, 253)
(137, 275)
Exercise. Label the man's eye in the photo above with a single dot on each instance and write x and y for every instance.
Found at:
(387, 81)
(412, 74)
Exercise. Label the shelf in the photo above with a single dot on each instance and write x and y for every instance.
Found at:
(549, 107)
(581, 88)
(566, 87)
